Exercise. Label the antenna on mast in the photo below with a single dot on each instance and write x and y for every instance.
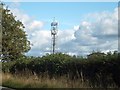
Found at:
(54, 30)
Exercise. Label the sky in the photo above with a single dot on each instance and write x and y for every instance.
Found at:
(83, 26)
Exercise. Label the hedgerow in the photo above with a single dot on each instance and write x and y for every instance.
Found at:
(99, 69)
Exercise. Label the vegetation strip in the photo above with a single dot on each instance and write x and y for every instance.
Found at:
(97, 70)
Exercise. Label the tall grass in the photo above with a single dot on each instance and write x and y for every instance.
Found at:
(32, 81)
(0, 79)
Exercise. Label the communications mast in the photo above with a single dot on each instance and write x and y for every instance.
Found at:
(54, 30)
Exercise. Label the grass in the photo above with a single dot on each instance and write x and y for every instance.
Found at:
(0, 79)
(32, 81)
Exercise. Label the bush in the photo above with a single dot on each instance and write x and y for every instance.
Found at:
(101, 71)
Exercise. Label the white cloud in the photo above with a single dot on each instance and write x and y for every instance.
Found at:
(84, 34)
(21, 16)
(106, 23)
(76, 27)
(65, 36)
(41, 39)
(98, 33)
(101, 33)
(36, 25)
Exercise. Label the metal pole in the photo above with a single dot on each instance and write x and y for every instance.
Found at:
(53, 44)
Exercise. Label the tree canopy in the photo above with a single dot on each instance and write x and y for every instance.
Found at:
(14, 38)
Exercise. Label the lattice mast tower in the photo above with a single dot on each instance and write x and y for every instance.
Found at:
(54, 31)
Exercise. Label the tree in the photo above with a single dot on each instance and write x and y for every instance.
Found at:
(96, 55)
(14, 38)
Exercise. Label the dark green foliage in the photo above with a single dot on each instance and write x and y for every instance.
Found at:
(101, 72)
